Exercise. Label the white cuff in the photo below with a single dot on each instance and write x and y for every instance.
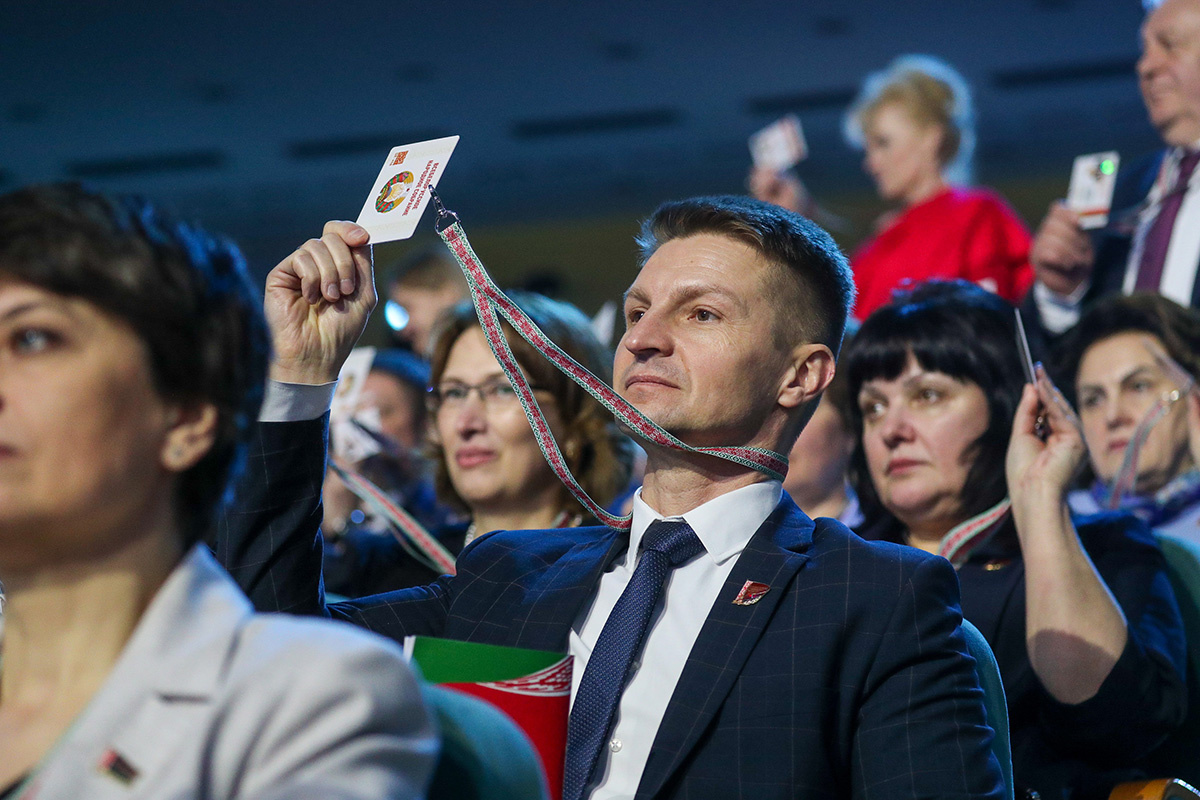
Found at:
(295, 402)
(1058, 311)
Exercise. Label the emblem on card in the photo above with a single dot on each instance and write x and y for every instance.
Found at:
(399, 159)
(394, 192)
(114, 765)
(751, 593)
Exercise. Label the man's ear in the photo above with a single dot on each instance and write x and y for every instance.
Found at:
(810, 371)
(191, 435)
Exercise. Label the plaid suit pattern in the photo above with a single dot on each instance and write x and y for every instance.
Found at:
(849, 678)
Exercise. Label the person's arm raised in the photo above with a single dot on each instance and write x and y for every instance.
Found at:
(317, 303)
(1075, 630)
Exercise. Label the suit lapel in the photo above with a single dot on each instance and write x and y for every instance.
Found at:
(555, 597)
(773, 556)
(167, 675)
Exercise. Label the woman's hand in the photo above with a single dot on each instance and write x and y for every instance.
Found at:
(1037, 469)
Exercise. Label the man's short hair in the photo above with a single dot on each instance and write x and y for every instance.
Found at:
(185, 293)
(815, 291)
(430, 268)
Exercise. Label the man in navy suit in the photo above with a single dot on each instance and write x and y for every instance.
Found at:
(1152, 240)
(784, 657)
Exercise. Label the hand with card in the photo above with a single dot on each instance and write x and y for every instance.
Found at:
(317, 303)
(1062, 254)
(1041, 463)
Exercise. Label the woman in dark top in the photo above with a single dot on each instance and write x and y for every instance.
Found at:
(1081, 617)
(487, 462)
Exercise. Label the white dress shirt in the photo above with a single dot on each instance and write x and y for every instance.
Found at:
(1183, 251)
(1059, 312)
(724, 525)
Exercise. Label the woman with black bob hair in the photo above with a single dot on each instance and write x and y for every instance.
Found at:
(949, 459)
(133, 356)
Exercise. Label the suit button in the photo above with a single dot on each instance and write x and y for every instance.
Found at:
(615, 745)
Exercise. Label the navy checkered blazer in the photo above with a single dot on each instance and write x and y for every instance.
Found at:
(849, 678)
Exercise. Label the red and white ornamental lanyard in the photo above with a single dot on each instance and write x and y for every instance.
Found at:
(964, 539)
(412, 536)
(491, 304)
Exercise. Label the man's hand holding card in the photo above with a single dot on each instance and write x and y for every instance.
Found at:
(318, 299)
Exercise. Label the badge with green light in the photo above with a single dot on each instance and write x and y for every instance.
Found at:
(1093, 178)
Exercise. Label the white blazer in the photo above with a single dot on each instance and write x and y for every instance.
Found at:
(212, 701)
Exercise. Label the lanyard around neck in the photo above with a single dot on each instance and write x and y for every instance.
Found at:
(491, 304)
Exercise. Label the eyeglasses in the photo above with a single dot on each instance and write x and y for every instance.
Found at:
(493, 393)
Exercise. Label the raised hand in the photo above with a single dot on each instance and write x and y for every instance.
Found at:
(1040, 470)
(317, 303)
(1062, 254)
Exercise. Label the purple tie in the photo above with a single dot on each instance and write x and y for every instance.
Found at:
(1154, 248)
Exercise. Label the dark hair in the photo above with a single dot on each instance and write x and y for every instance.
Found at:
(958, 329)
(815, 290)
(411, 370)
(598, 454)
(1177, 327)
(185, 294)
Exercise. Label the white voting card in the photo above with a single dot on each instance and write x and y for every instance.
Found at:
(780, 145)
(1093, 178)
(401, 191)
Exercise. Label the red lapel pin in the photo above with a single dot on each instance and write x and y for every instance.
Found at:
(751, 593)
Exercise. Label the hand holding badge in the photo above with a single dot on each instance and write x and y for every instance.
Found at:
(1093, 178)
(780, 145)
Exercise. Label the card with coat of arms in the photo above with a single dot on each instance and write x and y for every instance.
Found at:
(401, 191)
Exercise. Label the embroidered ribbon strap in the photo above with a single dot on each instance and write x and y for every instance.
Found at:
(491, 304)
(418, 542)
(967, 537)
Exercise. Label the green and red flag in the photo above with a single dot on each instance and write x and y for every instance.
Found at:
(532, 687)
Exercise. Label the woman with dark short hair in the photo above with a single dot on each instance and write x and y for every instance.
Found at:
(1081, 616)
(133, 355)
(1116, 363)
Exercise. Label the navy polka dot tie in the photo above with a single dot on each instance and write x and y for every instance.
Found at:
(665, 545)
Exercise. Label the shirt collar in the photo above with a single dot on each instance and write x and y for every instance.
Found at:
(724, 524)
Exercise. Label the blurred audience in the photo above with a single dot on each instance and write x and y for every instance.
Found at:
(818, 463)
(395, 391)
(915, 122)
(1149, 242)
(1118, 362)
(133, 356)
(1081, 617)
(486, 460)
(420, 289)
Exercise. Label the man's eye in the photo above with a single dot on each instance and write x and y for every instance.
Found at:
(633, 316)
(704, 315)
(453, 392)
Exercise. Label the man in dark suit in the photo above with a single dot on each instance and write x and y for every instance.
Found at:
(1152, 240)
(777, 656)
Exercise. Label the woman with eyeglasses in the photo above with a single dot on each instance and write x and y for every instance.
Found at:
(486, 458)
(1130, 358)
